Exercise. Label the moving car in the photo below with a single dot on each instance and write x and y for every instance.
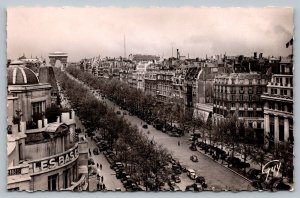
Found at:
(191, 173)
(194, 158)
(96, 151)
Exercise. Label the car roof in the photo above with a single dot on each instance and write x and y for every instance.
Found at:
(190, 170)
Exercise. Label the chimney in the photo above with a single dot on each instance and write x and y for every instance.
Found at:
(255, 55)
(260, 55)
(177, 53)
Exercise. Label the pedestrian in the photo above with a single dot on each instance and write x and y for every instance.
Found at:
(100, 166)
(102, 178)
(97, 165)
(104, 187)
(178, 143)
(98, 186)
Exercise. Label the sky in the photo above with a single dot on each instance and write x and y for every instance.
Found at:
(86, 32)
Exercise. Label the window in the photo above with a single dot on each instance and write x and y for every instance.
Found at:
(241, 114)
(250, 105)
(250, 124)
(250, 97)
(241, 105)
(232, 104)
(52, 182)
(233, 97)
(258, 90)
(241, 97)
(241, 89)
(281, 92)
(259, 125)
(281, 133)
(250, 114)
(38, 107)
(250, 91)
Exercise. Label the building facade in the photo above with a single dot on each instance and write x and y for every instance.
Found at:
(41, 155)
(278, 107)
(240, 94)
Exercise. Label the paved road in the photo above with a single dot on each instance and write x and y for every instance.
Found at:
(217, 176)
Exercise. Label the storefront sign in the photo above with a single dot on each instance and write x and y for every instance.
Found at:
(57, 161)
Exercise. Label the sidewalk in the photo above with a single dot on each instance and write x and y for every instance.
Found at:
(109, 175)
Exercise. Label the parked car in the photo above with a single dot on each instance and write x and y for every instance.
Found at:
(193, 148)
(234, 161)
(175, 188)
(145, 126)
(194, 158)
(171, 183)
(197, 187)
(279, 185)
(200, 179)
(174, 134)
(124, 113)
(176, 178)
(189, 188)
(253, 174)
(120, 174)
(118, 112)
(176, 169)
(91, 161)
(191, 174)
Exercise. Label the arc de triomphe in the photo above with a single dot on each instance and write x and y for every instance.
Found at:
(61, 56)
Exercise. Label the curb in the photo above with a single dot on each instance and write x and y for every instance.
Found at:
(225, 167)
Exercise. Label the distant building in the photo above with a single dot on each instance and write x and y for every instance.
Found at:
(165, 85)
(141, 57)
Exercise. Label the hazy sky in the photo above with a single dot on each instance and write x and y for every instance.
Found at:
(88, 32)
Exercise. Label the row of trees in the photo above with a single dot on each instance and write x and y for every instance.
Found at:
(144, 159)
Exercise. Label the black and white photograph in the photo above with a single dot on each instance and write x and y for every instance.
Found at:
(150, 99)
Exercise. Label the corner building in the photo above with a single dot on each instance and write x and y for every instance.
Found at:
(41, 156)
(278, 108)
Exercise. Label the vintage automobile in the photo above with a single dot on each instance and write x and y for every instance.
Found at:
(194, 158)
